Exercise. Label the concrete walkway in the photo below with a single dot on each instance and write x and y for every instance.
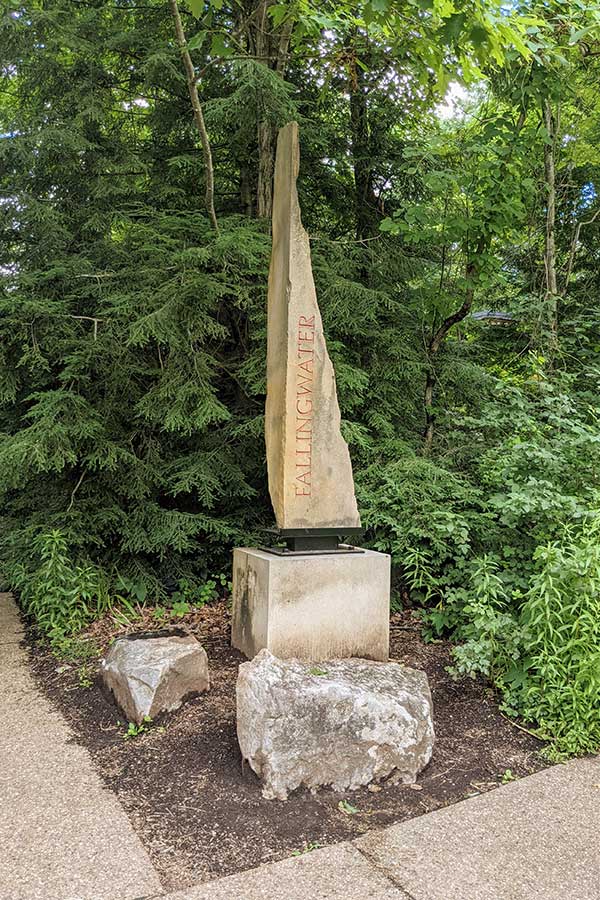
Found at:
(534, 839)
(64, 837)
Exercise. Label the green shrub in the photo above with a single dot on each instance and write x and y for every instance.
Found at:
(492, 638)
(61, 596)
(541, 648)
(562, 615)
(426, 517)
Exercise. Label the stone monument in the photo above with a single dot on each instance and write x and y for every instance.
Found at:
(310, 473)
(315, 597)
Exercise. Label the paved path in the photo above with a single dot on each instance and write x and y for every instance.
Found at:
(62, 835)
(535, 839)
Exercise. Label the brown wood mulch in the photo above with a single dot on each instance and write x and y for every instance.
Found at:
(201, 815)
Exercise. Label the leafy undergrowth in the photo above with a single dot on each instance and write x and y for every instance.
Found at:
(540, 647)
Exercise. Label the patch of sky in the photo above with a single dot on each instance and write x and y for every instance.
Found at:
(451, 106)
(139, 101)
(587, 195)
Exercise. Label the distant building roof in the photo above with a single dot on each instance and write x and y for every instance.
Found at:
(494, 317)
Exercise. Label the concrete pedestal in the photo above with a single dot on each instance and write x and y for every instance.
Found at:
(330, 606)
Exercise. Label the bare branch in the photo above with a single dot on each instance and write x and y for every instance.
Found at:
(198, 114)
(573, 248)
(74, 491)
(90, 319)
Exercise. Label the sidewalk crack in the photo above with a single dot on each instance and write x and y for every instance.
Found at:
(386, 874)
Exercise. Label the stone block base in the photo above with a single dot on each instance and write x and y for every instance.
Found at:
(344, 723)
(329, 606)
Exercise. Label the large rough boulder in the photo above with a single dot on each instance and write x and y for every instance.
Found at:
(343, 723)
(153, 673)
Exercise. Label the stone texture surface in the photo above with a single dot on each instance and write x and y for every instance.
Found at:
(310, 473)
(154, 674)
(333, 873)
(63, 836)
(344, 723)
(311, 607)
(534, 839)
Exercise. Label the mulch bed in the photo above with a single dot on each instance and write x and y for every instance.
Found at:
(201, 815)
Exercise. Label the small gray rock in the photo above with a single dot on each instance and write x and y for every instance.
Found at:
(343, 723)
(149, 674)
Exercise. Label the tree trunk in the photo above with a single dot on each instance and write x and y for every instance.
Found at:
(428, 403)
(271, 47)
(198, 115)
(439, 338)
(266, 164)
(551, 298)
(246, 196)
(365, 200)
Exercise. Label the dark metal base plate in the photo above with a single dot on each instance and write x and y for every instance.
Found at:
(313, 541)
(285, 551)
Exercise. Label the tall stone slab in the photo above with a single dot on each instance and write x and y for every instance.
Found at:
(310, 473)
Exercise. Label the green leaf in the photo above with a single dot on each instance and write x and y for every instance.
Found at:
(219, 48)
(576, 36)
(278, 13)
(197, 40)
(197, 7)
(180, 608)
(443, 8)
(347, 808)
(390, 226)
(479, 35)
(452, 28)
